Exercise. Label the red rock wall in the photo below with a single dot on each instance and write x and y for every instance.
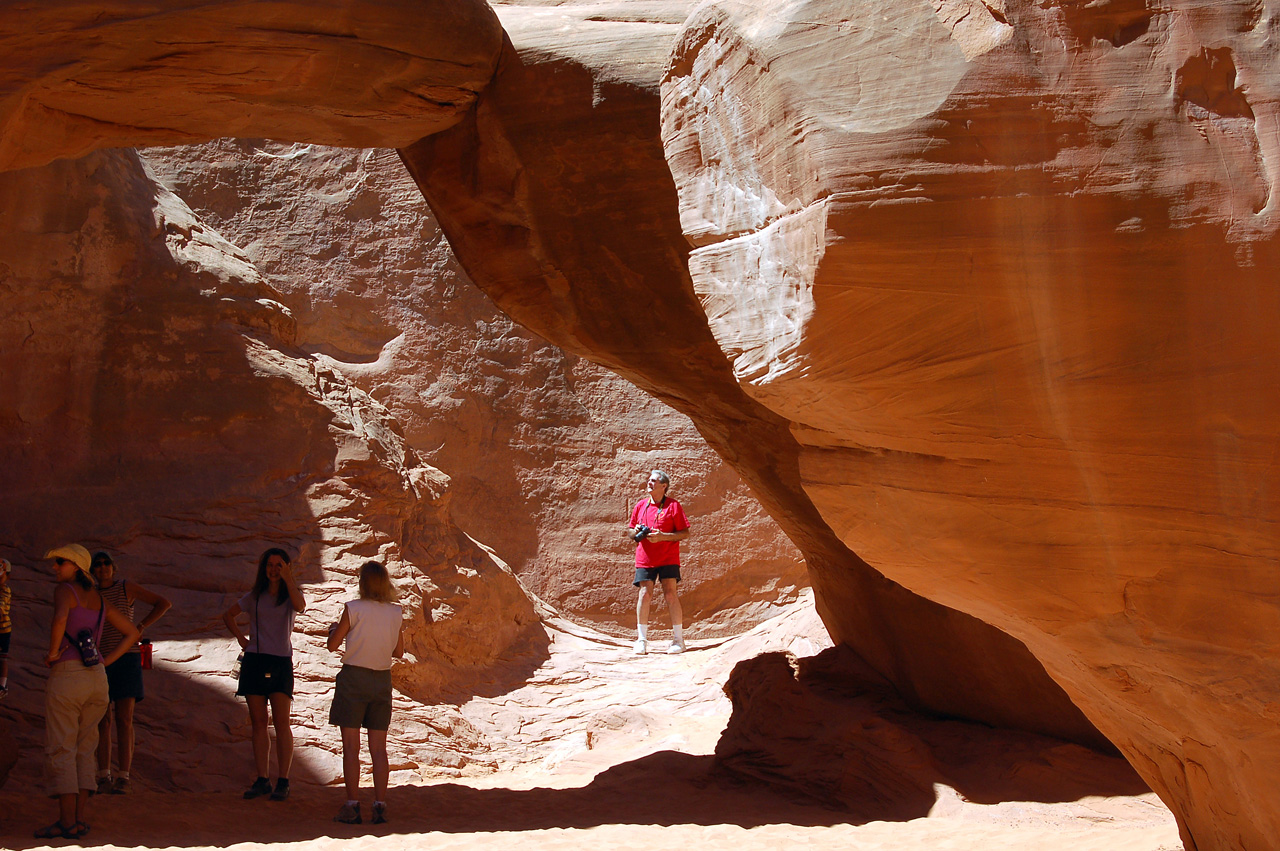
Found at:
(156, 406)
(982, 291)
(571, 233)
(545, 451)
(1008, 271)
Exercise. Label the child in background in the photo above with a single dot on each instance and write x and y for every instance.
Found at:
(6, 626)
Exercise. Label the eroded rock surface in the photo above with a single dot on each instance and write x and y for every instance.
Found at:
(79, 76)
(545, 451)
(1007, 334)
(559, 194)
(558, 200)
(1010, 278)
(157, 406)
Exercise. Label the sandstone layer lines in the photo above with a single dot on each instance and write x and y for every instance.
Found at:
(342, 72)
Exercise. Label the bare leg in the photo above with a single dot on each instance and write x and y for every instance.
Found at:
(82, 805)
(124, 735)
(284, 733)
(673, 601)
(642, 604)
(261, 740)
(381, 765)
(104, 741)
(351, 761)
(67, 809)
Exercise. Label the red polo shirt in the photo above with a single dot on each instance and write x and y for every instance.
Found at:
(669, 517)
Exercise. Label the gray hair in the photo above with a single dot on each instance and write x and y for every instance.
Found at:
(662, 477)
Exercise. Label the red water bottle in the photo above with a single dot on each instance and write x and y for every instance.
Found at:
(144, 647)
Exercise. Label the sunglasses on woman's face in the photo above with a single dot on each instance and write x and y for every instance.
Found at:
(61, 561)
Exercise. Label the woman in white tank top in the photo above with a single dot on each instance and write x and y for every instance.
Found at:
(373, 629)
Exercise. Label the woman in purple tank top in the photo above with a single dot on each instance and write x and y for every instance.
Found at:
(76, 695)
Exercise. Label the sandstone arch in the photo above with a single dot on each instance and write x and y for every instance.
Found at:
(1004, 301)
(157, 405)
(78, 77)
(624, 97)
(480, 174)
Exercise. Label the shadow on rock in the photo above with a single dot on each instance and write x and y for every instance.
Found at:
(829, 729)
(665, 788)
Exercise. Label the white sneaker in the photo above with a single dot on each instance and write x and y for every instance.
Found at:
(641, 647)
(676, 647)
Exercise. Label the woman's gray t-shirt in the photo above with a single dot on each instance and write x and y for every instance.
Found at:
(270, 624)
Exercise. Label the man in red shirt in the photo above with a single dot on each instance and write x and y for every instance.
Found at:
(658, 525)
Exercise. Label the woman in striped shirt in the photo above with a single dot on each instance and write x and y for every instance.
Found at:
(124, 678)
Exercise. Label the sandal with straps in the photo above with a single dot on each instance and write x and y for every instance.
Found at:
(58, 830)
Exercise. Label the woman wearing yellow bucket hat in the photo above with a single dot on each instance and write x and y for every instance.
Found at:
(76, 695)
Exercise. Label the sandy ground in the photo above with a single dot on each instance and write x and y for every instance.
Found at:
(600, 748)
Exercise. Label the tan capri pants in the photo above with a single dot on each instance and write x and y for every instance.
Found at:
(75, 700)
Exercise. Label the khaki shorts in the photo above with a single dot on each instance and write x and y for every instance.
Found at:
(361, 698)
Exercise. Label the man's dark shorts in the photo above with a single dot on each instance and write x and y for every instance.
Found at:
(124, 678)
(263, 674)
(361, 698)
(650, 574)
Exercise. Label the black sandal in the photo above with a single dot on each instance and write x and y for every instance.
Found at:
(58, 831)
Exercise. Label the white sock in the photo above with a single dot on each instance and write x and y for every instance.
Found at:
(643, 630)
(104, 773)
(379, 803)
(123, 774)
(354, 803)
(677, 633)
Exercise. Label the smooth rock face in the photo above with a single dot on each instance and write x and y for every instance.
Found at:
(79, 76)
(545, 451)
(1010, 278)
(156, 406)
(558, 200)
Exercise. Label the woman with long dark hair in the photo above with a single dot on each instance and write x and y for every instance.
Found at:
(266, 673)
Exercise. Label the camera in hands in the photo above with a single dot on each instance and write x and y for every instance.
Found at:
(642, 532)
